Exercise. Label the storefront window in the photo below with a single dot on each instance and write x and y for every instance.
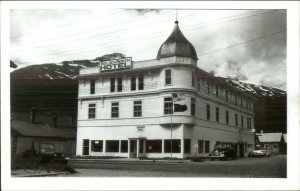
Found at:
(153, 146)
(175, 146)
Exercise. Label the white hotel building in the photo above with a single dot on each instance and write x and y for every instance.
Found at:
(125, 108)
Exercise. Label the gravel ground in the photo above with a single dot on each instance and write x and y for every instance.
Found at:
(273, 167)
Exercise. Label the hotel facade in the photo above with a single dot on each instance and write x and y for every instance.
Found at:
(165, 107)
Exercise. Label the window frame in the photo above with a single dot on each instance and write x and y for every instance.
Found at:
(112, 84)
(114, 109)
(206, 146)
(168, 106)
(133, 83)
(193, 106)
(119, 84)
(140, 82)
(168, 77)
(137, 108)
(92, 86)
(92, 107)
(208, 112)
(200, 146)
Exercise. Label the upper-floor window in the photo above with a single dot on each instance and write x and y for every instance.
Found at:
(226, 95)
(249, 125)
(236, 119)
(208, 88)
(112, 85)
(217, 114)
(207, 111)
(119, 81)
(168, 105)
(92, 111)
(227, 117)
(141, 82)
(193, 106)
(235, 99)
(217, 91)
(115, 110)
(242, 121)
(137, 108)
(168, 77)
(92, 87)
(133, 83)
(193, 78)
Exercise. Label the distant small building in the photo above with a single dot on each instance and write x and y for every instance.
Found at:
(27, 136)
(276, 142)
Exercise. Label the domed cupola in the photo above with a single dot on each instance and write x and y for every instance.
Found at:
(176, 45)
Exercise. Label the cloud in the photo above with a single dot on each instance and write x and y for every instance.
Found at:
(145, 11)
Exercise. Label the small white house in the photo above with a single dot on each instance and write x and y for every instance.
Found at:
(164, 107)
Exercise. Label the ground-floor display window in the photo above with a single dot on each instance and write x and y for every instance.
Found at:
(200, 146)
(175, 145)
(207, 145)
(187, 145)
(86, 148)
(153, 146)
(112, 146)
(97, 146)
(124, 146)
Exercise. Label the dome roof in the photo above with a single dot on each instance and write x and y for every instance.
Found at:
(176, 45)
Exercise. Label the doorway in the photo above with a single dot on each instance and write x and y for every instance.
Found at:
(86, 147)
(241, 149)
(133, 149)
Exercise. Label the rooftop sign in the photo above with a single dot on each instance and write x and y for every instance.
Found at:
(119, 64)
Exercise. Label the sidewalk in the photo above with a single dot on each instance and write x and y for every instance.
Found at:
(36, 173)
(126, 160)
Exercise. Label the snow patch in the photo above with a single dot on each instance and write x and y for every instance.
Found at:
(69, 76)
(48, 76)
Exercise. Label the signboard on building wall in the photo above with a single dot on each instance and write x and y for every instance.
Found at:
(120, 64)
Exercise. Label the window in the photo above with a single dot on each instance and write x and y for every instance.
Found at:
(242, 121)
(168, 106)
(112, 146)
(92, 111)
(187, 146)
(133, 84)
(124, 146)
(200, 146)
(86, 147)
(249, 123)
(92, 87)
(175, 146)
(236, 120)
(97, 146)
(206, 146)
(193, 78)
(227, 117)
(153, 146)
(168, 78)
(207, 111)
(137, 108)
(217, 114)
(226, 95)
(115, 110)
(217, 91)
(207, 88)
(235, 99)
(112, 85)
(193, 105)
(141, 82)
(119, 84)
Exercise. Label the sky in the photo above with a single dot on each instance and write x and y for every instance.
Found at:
(249, 45)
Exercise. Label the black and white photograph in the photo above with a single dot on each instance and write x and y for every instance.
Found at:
(129, 94)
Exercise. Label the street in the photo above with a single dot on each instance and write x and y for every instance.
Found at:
(273, 167)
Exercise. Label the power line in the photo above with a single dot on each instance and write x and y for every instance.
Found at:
(120, 43)
(193, 26)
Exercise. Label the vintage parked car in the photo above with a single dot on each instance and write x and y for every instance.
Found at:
(223, 154)
(48, 154)
(260, 153)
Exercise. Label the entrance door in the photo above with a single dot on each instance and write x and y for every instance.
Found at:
(241, 148)
(133, 148)
(86, 147)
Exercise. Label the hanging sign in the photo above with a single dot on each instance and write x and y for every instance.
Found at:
(123, 63)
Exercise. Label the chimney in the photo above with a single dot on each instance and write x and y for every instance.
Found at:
(32, 115)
